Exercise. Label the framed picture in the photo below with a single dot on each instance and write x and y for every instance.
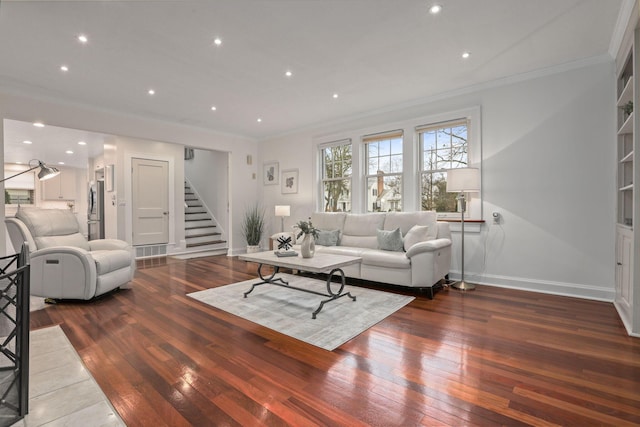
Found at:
(271, 173)
(289, 183)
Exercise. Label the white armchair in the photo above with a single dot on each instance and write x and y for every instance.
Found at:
(64, 265)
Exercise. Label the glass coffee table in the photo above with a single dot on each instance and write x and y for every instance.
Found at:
(319, 263)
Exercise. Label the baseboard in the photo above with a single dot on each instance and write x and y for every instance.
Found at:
(543, 286)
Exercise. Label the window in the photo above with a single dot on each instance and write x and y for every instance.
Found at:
(384, 171)
(336, 170)
(443, 146)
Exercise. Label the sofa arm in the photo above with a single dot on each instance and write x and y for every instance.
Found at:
(63, 272)
(108, 244)
(428, 246)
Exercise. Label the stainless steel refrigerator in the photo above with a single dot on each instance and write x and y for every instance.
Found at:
(96, 210)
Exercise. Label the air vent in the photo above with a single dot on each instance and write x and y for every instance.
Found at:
(151, 251)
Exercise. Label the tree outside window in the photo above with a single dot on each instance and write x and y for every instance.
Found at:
(336, 177)
(443, 147)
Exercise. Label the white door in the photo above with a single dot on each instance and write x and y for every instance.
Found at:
(150, 201)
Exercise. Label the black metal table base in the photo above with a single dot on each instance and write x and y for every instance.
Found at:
(272, 280)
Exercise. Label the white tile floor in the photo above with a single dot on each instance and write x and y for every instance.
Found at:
(62, 392)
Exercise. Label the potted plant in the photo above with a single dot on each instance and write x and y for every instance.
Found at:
(253, 227)
(308, 246)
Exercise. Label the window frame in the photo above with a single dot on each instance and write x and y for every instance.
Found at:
(322, 170)
(376, 138)
(474, 156)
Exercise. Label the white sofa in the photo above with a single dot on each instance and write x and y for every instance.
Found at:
(64, 265)
(422, 265)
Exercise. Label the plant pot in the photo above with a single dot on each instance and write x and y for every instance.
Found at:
(308, 246)
(252, 249)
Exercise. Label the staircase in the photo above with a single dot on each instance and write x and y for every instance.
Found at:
(202, 232)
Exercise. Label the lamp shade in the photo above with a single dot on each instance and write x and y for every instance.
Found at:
(283, 210)
(47, 172)
(463, 180)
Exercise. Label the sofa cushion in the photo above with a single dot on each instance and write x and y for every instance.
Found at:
(388, 259)
(328, 238)
(341, 250)
(417, 233)
(360, 230)
(406, 220)
(52, 227)
(108, 261)
(389, 240)
(328, 220)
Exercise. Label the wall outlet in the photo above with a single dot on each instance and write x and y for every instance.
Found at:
(496, 217)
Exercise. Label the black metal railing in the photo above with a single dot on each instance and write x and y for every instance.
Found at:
(14, 336)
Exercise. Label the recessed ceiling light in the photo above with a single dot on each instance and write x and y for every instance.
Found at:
(259, 120)
(335, 96)
(82, 143)
(27, 142)
(214, 108)
(38, 124)
(64, 68)
(217, 41)
(18, 163)
(465, 55)
(69, 152)
(288, 73)
(151, 92)
(61, 163)
(83, 39)
(435, 9)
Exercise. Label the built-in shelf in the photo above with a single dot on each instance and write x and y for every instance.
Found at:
(627, 126)
(626, 188)
(626, 95)
(627, 158)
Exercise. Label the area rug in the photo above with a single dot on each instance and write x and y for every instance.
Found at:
(288, 311)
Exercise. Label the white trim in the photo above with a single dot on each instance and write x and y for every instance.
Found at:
(624, 16)
(575, 290)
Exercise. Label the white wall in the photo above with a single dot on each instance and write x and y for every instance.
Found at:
(548, 169)
(243, 177)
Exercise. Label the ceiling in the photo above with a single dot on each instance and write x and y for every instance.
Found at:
(375, 54)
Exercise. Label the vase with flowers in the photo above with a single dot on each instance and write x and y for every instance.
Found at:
(308, 245)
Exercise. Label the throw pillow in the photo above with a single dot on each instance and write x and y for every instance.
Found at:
(328, 238)
(417, 233)
(390, 240)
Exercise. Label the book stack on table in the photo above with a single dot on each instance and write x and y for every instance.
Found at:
(285, 253)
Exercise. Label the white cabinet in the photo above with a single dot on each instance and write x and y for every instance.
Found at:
(627, 283)
(61, 187)
(624, 271)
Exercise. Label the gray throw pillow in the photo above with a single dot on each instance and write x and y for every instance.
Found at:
(328, 238)
(390, 240)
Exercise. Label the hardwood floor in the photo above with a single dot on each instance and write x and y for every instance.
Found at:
(486, 357)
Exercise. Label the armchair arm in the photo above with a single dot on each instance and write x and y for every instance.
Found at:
(108, 244)
(63, 272)
(428, 246)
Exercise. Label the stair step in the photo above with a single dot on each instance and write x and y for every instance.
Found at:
(212, 242)
(195, 213)
(200, 226)
(197, 219)
(193, 236)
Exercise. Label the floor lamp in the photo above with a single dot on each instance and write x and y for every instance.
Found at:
(282, 211)
(46, 172)
(461, 181)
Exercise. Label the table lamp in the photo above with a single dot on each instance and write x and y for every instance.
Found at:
(282, 211)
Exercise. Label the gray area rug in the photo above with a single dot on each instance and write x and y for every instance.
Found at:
(288, 311)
